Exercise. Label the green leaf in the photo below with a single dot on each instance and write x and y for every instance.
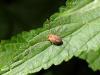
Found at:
(78, 25)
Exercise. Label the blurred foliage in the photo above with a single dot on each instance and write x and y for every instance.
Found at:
(75, 66)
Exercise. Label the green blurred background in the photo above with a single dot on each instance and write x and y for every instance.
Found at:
(23, 15)
(17, 16)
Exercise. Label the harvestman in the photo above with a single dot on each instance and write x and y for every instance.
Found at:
(55, 39)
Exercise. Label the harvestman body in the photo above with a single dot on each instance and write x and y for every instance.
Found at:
(55, 39)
